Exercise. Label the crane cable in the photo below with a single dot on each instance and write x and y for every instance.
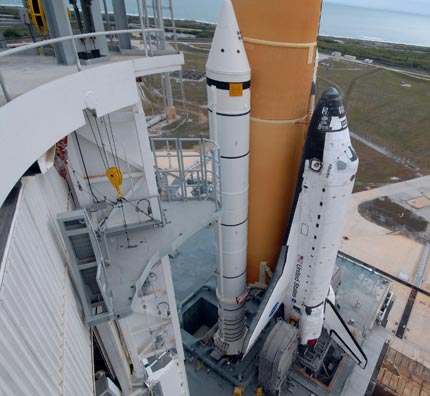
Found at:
(114, 175)
(102, 141)
(115, 158)
(85, 167)
(113, 140)
(95, 140)
(136, 206)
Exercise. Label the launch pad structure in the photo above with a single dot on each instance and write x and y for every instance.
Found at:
(129, 252)
(147, 38)
(197, 313)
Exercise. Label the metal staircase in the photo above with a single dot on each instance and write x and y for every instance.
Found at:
(87, 265)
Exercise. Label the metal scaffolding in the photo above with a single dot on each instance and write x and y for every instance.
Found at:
(154, 14)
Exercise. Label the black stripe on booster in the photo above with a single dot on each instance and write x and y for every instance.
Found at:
(232, 158)
(232, 310)
(226, 85)
(234, 277)
(235, 225)
(230, 115)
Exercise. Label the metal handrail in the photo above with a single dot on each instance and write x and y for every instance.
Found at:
(71, 38)
(154, 222)
(212, 156)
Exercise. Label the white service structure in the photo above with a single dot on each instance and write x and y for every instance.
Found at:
(228, 86)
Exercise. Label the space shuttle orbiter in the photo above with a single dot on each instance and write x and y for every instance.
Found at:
(302, 278)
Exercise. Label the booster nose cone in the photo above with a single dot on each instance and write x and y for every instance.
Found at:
(227, 59)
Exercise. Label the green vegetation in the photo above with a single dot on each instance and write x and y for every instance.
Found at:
(384, 53)
(13, 11)
(13, 33)
(15, 30)
(387, 213)
(382, 109)
(198, 29)
(376, 170)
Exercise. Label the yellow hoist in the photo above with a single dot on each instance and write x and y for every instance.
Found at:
(115, 177)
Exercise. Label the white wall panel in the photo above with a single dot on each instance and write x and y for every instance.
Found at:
(45, 346)
(77, 349)
(55, 109)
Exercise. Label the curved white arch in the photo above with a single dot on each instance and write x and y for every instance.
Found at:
(38, 119)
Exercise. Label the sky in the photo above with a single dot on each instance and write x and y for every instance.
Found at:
(412, 6)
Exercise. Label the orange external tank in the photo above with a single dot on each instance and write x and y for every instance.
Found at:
(280, 38)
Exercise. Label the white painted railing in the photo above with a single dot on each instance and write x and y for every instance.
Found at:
(63, 39)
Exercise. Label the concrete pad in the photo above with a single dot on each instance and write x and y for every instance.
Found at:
(395, 253)
(359, 379)
(419, 202)
(378, 246)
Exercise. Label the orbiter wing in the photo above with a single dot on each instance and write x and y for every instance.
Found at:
(278, 285)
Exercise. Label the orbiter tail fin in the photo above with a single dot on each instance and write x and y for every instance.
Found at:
(341, 334)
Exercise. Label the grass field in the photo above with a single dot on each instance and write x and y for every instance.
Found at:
(377, 170)
(382, 110)
(385, 112)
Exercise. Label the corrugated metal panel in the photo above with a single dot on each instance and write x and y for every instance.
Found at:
(77, 349)
(45, 346)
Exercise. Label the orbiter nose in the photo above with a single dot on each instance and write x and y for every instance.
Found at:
(331, 104)
(329, 116)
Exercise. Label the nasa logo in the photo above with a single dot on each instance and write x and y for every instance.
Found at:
(275, 307)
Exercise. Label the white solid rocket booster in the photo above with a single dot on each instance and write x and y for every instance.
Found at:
(228, 87)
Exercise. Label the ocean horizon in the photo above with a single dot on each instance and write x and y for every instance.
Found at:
(337, 20)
